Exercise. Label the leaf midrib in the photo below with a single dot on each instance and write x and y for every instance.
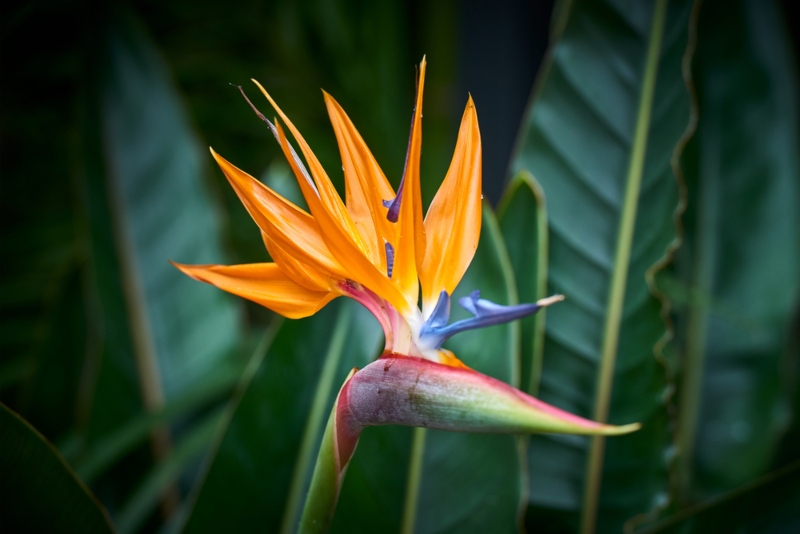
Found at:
(621, 264)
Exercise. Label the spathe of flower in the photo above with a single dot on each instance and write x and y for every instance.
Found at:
(376, 247)
(403, 390)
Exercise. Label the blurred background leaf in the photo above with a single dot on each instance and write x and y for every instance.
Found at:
(38, 490)
(767, 504)
(580, 142)
(248, 477)
(159, 333)
(742, 250)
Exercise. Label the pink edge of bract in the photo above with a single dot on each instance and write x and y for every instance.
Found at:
(469, 375)
(347, 429)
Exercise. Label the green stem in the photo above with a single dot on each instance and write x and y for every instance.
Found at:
(616, 298)
(323, 493)
(314, 422)
(414, 478)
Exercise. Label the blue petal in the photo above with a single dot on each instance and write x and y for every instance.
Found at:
(394, 205)
(389, 258)
(440, 315)
(486, 313)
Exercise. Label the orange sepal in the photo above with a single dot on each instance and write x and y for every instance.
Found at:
(294, 230)
(327, 194)
(453, 221)
(340, 241)
(301, 273)
(366, 185)
(412, 244)
(264, 284)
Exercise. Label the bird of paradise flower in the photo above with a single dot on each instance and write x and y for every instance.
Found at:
(376, 248)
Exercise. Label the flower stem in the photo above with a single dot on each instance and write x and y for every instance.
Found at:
(414, 477)
(316, 417)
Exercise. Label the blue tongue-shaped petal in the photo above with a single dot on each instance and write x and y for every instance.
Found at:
(486, 313)
(441, 313)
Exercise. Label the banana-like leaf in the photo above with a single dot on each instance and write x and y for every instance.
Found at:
(147, 203)
(157, 332)
(38, 490)
(158, 482)
(260, 472)
(608, 113)
(743, 247)
(523, 207)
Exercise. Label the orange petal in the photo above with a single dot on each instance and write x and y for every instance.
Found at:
(453, 221)
(299, 272)
(341, 241)
(411, 246)
(328, 196)
(366, 185)
(263, 283)
(294, 230)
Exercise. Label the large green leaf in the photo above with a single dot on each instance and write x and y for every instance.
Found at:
(609, 111)
(271, 442)
(160, 210)
(158, 482)
(471, 482)
(743, 247)
(523, 218)
(157, 332)
(372, 495)
(110, 449)
(38, 490)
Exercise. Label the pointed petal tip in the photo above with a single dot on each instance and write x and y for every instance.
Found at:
(264, 92)
(611, 430)
(188, 270)
(547, 301)
(214, 154)
(179, 266)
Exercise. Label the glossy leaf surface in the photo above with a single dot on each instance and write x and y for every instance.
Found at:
(584, 136)
(522, 215)
(157, 333)
(249, 477)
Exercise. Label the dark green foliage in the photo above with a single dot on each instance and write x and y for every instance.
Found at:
(38, 490)
(742, 253)
(156, 389)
